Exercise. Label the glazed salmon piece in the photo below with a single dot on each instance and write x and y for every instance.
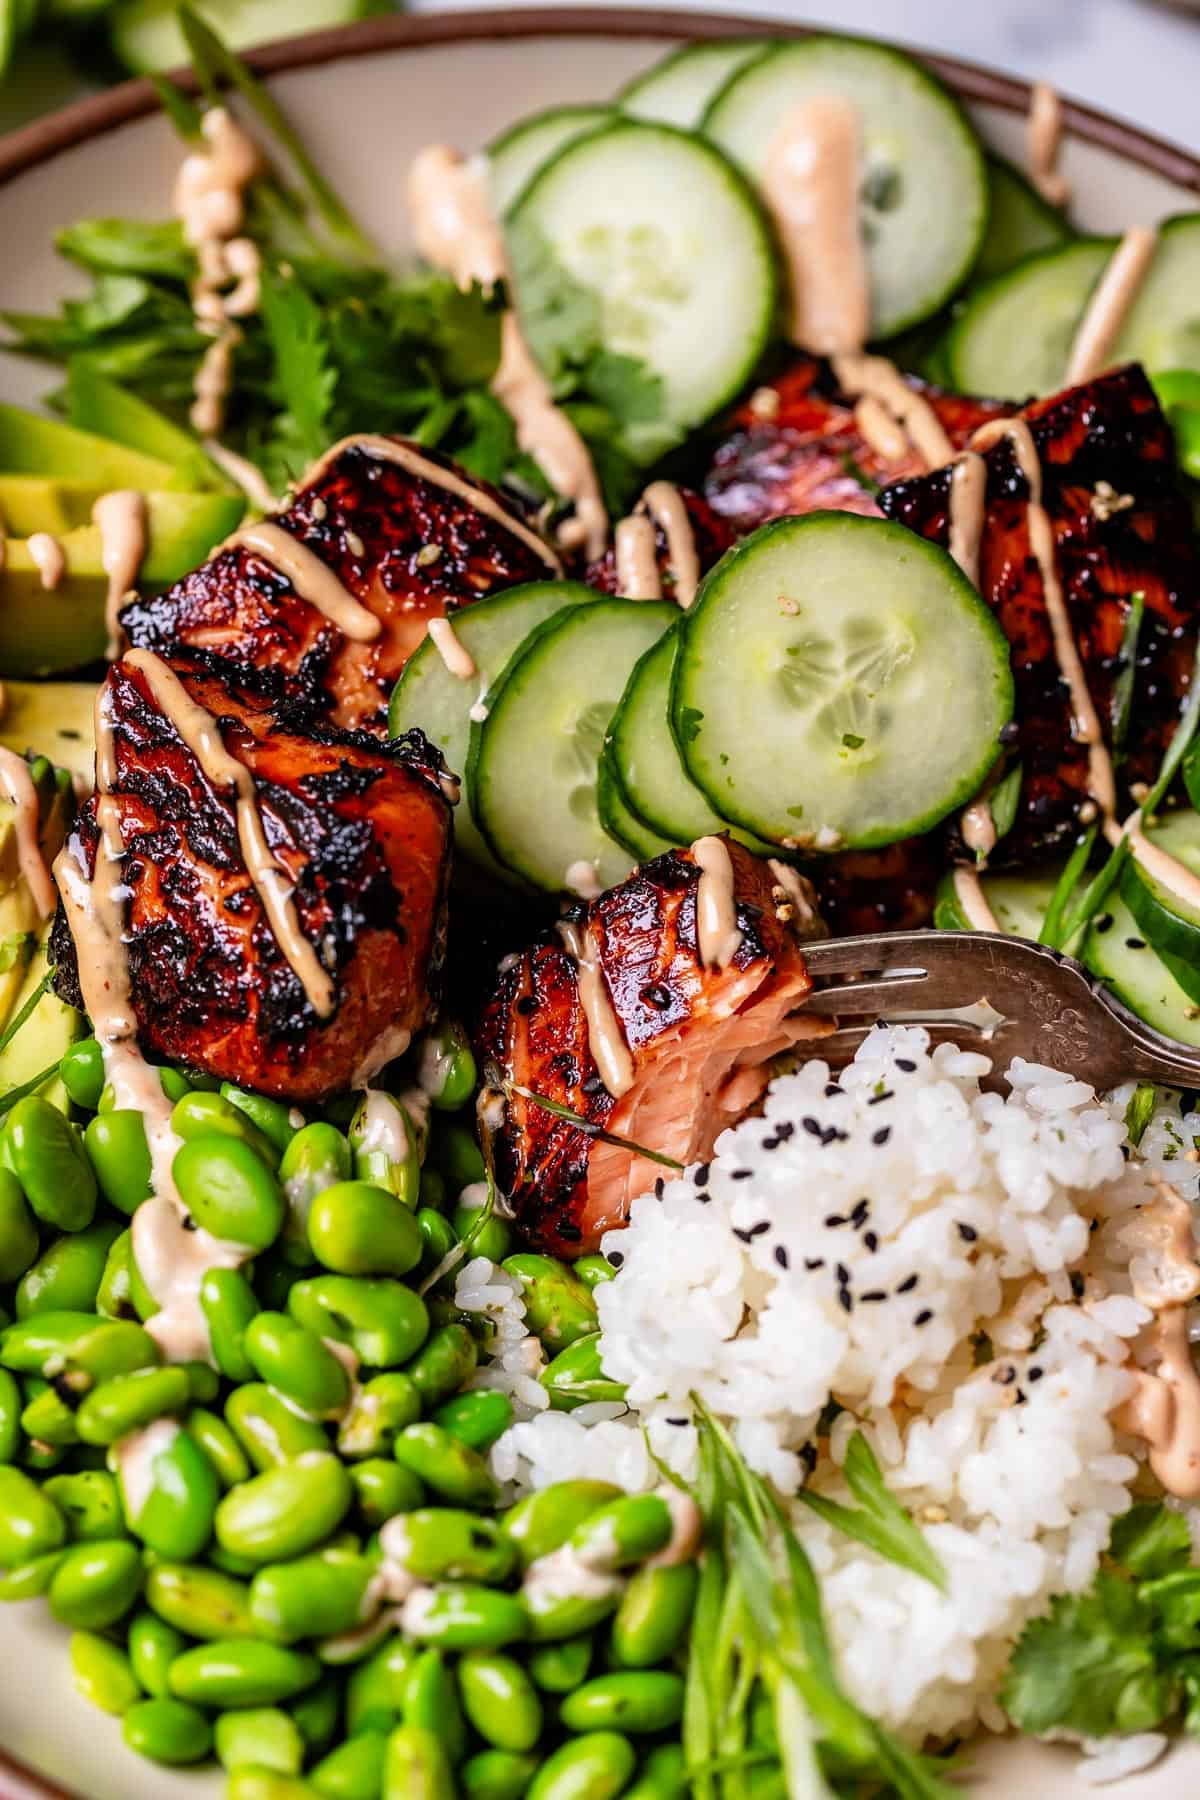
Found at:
(794, 447)
(362, 832)
(408, 546)
(700, 1040)
(1121, 524)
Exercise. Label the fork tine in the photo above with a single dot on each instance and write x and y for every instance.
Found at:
(889, 993)
(860, 955)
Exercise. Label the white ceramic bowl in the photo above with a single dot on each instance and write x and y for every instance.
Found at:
(365, 98)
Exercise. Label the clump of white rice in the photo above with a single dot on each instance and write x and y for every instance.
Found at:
(949, 1267)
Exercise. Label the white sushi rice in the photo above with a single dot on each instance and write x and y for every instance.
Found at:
(951, 1267)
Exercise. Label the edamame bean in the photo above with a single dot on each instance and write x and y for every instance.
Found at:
(447, 1360)
(271, 1117)
(496, 1775)
(167, 1731)
(354, 1771)
(175, 1501)
(431, 1701)
(96, 1584)
(560, 1667)
(465, 1618)
(478, 1418)
(663, 1776)
(558, 1308)
(384, 1322)
(39, 1456)
(383, 1489)
(39, 1346)
(207, 1115)
(153, 1647)
(494, 1239)
(593, 1270)
(114, 1296)
(199, 1602)
(416, 1767)
(314, 1596)
(438, 1237)
(18, 1233)
(433, 1190)
(89, 1503)
(30, 1524)
(383, 1143)
(456, 1155)
(375, 1689)
(81, 1071)
(120, 1156)
(544, 1520)
(500, 1700)
(10, 1418)
(438, 1544)
(359, 1228)
(30, 1580)
(260, 1737)
(623, 1533)
(127, 1402)
(633, 1700)
(451, 1468)
(45, 1154)
(576, 1377)
(286, 1510)
(266, 1784)
(103, 1673)
(237, 1672)
(317, 1713)
(173, 1082)
(228, 1189)
(268, 1431)
(295, 1361)
(229, 1461)
(229, 1305)
(109, 1347)
(316, 1158)
(595, 1767)
(446, 1066)
(652, 1620)
(380, 1408)
(49, 1420)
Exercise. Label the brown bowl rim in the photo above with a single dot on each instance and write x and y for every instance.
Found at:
(73, 125)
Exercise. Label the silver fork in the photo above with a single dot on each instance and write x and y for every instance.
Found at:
(1037, 1004)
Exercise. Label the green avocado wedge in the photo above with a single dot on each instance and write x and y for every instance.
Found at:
(44, 631)
(97, 404)
(33, 445)
(54, 718)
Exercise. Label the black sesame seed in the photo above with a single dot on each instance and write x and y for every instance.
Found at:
(1021, 1398)
(808, 1456)
(814, 1262)
(659, 1187)
(741, 1174)
(678, 1421)
(702, 1197)
(873, 1294)
(923, 1318)
(1077, 1286)
(878, 1099)
(189, 1224)
(770, 1143)
(882, 1135)
(842, 1273)
(909, 1067)
(592, 1085)
(700, 1174)
(1035, 1373)
(1004, 1375)
(657, 995)
(785, 1130)
(831, 1135)
(740, 1232)
(859, 1215)
(967, 1233)
(781, 1256)
(833, 1090)
(757, 1230)
(870, 1240)
(813, 1127)
(616, 1258)
(1103, 923)
(907, 1286)
(1135, 943)
(834, 1220)
(1008, 734)
(845, 1300)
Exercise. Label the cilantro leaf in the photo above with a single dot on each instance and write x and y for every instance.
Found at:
(624, 386)
(303, 378)
(1072, 1667)
(879, 1520)
(1138, 1114)
(1150, 1540)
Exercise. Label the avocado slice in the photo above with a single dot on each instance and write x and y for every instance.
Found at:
(56, 718)
(44, 630)
(30, 503)
(97, 403)
(20, 926)
(44, 1037)
(32, 445)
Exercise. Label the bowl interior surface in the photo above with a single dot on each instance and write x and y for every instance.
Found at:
(363, 117)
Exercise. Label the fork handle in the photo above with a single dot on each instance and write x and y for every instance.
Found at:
(1152, 1058)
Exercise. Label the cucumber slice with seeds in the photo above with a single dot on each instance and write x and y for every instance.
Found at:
(618, 817)
(518, 153)
(1169, 925)
(1162, 330)
(1020, 222)
(650, 241)
(533, 763)
(679, 89)
(429, 696)
(1013, 335)
(839, 682)
(923, 193)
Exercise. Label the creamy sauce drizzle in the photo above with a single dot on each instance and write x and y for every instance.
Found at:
(135, 1456)
(243, 473)
(456, 230)
(313, 580)
(16, 783)
(582, 878)
(978, 828)
(1109, 305)
(664, 503)
(1043, 139)
(120, 518)
(810, 184)
(457, 658)
(210, 196)
(878, 429)
(1165, 1405)
(48, 558)
(968, 891)
(198, 729)
(875, 378)
(610, 1052)
(718, 935)
(636, 555)
(968, 489)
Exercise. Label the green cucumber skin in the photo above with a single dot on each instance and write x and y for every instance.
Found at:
(1020, 222)
(729, 569)
(967, 373)
(506, 193)
(620, 818)
(745, 50)
(1166, 924)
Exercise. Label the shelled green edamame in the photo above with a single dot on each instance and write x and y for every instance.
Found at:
(292, 1557)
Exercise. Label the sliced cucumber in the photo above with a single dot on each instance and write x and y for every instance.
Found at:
(1018, 901)
(1162, 330)
(679, 89)
(533, 763)
(1169, 925)
(646, 757)
(651, 240)
(923, 194)
(145, 34)
(619, 819)
(839, 683)
(1014, 334)
(1019, 223)
(429, 696)
(520, 151)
